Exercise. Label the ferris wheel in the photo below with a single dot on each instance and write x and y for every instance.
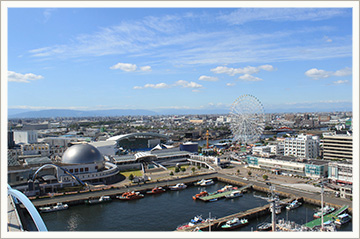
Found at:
(247, 119)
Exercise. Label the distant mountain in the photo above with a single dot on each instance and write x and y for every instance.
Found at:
(79, 113)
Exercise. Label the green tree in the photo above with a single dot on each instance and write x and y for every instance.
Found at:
(131, 177)
(199, 167)
(265, 177)
(177, 170)
(183, 169)
(238, 171)
(193, 169)
(249, 173)
(171, 173)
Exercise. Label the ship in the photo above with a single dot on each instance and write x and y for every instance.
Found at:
(58, 207)
(235, 223)
(156, 190)
(294, 204)
(326, 210)
(234, 194)
(130, 196)
(201, 194)
(102, 199)
(207, 182)
(342, 219)
(178, 186)
(194, 221)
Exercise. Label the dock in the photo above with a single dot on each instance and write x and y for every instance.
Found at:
(223, 194)
(329, 217)
(249, 214)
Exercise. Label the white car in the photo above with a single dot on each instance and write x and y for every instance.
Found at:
(245, 179)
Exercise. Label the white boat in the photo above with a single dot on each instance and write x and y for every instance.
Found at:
(234, 194)
(326, 210)
(102, 199)
(58, 207)
(178, 186)
(194, 221)
(342, 219)
(294, 204)
(207, 182)
(234, 223)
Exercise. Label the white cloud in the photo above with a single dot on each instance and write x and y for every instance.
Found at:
(208, 78)
(230, 84)
(244, 15)
(157, 86)
(145, 68)
(187, 84)
(317, 74)
(245, 70)
(343, 72)
(248, 77)
(124, 66)
(340, 82)
(327, 39)
(25, 78)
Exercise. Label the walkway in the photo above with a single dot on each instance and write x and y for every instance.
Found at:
(329, 217)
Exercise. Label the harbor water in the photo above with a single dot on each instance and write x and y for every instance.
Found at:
(165, 212)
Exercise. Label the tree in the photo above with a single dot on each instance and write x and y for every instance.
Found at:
(249, 173)
(171, 173)
(177, 170)
(131, 177)
(265, 177)
(183, 169)
(238, 171)
(199, 167)
(193, 169)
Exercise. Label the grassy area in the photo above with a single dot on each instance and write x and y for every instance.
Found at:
(134, 172)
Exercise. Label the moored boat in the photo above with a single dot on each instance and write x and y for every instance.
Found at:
(342, 219)
(234, 194)
(201, 194)
(326, 210)
(102, 199)
(178, 186)
(234, 223)
(294, 204)
(207, 182)
(58, 207)
(156, 190)
(194, 221)
(227, 188)
(265, 226)
(130, 196)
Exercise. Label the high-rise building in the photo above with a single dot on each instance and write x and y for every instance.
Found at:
(26, 137)
(338, 146)
(304, 146)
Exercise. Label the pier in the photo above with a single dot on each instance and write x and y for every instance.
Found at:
(223, 194)
(249, 214)
(329, 217)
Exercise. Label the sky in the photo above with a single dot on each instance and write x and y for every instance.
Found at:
(179, 58)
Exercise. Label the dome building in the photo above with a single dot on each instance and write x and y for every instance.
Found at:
(83, 154)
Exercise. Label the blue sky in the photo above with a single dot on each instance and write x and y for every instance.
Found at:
(182, 58)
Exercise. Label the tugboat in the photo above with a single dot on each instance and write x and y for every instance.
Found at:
(178, 186)
(102, 199)
(201, 194)
(58, 207)
(130, 196)
(327, 209)
(234, 223)
(156, 190)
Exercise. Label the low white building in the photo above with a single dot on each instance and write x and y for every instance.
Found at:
(108, 147)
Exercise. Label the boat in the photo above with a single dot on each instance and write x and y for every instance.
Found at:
(178, 186)
(102, 199)
(58, 207)
(207, 182)
(194, 221)
(234, 223)
(342, 219)
(326, 210)
(130, 196)
(213, 200)
(201, 194)
(234, 194)
(199, 182)
(294, 204)
(265, 226)
(156, 190)
(227, 188)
